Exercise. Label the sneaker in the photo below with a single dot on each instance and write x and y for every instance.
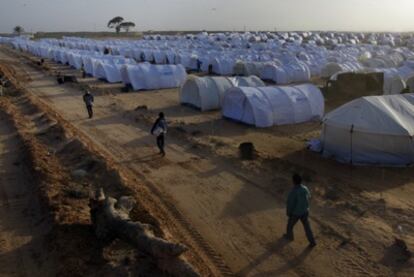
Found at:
(312, 245)
(289, 238)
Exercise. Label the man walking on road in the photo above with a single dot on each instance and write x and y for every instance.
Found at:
(159, 129)
(298, 209)
(88, 99)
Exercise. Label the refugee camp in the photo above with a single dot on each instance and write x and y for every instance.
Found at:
(206, 138)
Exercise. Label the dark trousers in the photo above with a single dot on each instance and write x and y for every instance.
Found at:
(161, 143)
(90, 110)
(306, 225)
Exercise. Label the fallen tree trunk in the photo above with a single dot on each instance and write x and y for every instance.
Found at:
(110, 219)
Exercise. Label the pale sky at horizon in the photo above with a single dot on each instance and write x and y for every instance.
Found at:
(92, 15)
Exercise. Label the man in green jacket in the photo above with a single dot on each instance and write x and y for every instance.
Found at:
(298, 209)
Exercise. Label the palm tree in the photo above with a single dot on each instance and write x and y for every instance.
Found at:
(18, 30)
(127, 25)
(115, 23)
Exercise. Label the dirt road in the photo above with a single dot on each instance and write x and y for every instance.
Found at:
(236, 207)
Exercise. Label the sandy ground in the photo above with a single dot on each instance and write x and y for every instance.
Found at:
(237, 207)
(23, 225)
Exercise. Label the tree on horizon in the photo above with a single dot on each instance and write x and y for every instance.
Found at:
(127, 26)
(18, 30)
(115, 23)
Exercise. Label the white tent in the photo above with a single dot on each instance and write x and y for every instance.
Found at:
(268, 106)
(332, 68)
(206, 93)
(108, 71)
(285, 74)
(147, 76)
(393, 85)
(276, 73)
(243, 68)
(223, 66)
(371, 130)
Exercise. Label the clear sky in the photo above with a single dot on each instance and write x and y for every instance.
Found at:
(92, 15)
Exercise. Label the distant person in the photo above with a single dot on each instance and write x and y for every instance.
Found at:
(83, 72)
(199, 63)
(210, 69)
(88, 99)
(159, 129)
(59, 78)
(41, 62)
(298, 209)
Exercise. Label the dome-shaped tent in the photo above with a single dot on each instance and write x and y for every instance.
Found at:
(107, 71)
(285, 74)
(145, 76)
(371, 130)
(206, 93)
(268, 106)
(223, 66)
(332, 68)
(393, 84)
(243, 68)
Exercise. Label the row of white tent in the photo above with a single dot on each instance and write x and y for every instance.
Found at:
(282, 63)
(370, 130)
(219, 61)
(207, 93)
(113, 69)
(375, 130)
(248, 100)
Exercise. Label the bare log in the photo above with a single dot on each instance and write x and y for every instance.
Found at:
(111, 220)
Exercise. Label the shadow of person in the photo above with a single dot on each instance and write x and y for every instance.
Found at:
(275, 248)
(271, 249)
(290, 264)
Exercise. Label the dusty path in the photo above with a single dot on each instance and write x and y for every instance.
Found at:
(238, 215)
(22, 223)
(239, 220)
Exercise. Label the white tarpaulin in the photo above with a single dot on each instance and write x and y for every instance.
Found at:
(147, 76)
(371, 130)
(206, 93)
(268, 106)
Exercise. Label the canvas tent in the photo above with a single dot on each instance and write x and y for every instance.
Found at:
(393, 85)
(147, 76)
(108, 71)
(285, 74)
(206, 93)
(371, 130)
(332, 68)
(268, 106)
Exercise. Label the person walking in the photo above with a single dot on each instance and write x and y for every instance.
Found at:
(159, 129)
(298, 209)
(199, 63)
(88, 99)
(83, 71)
